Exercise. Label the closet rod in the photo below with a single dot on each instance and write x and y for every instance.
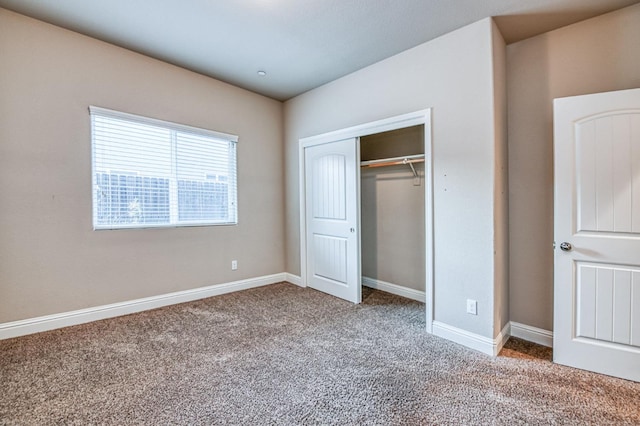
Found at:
(408, 159)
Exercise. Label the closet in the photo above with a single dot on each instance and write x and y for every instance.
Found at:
(392, 211)
(366, 209)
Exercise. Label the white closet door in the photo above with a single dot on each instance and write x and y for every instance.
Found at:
(597, 233)
(331, 206)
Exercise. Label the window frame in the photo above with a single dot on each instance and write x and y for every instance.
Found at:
(174, 128)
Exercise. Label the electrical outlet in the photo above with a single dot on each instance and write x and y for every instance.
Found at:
(472, 307)
(234, 265)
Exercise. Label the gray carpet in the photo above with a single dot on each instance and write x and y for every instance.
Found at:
(282, 355)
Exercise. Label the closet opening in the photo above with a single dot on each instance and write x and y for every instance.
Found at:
(392, 211)
(366, 210)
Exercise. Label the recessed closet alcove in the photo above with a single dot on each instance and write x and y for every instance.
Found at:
(366, 210)
(393, 211)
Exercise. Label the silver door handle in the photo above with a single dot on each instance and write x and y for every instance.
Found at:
(352, 230)
(565, 246)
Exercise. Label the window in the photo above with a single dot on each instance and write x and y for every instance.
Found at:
(152, 173)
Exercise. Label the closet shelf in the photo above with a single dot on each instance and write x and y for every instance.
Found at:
(393, 161)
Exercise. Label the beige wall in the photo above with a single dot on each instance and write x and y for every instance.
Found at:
(454, 75)
(50, 259)
(597, 55)
(392, 210)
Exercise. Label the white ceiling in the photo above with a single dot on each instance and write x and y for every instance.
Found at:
(301, 44)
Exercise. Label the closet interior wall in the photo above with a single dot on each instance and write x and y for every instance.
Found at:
(393, 210)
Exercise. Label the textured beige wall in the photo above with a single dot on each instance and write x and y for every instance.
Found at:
(50, 259)
(392, 210)
(597, 55)
(452, 74)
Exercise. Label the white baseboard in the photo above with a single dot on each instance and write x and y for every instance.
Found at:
(532, 334)
(398, 290)
(502, 338)
(81, 316)
(471, 340)
(294, 279)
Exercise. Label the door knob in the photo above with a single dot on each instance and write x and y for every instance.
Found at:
(565, 246)
(352, 230)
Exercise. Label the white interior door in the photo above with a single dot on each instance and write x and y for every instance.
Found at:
(332, 201)
(597, 233)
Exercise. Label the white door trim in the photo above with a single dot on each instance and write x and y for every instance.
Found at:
(416, 118)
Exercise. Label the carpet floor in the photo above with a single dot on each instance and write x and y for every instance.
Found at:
(284, 355)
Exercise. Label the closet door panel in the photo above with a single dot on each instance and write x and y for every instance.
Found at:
(331, 206)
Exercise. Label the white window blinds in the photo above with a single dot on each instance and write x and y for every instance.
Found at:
(153, 173)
